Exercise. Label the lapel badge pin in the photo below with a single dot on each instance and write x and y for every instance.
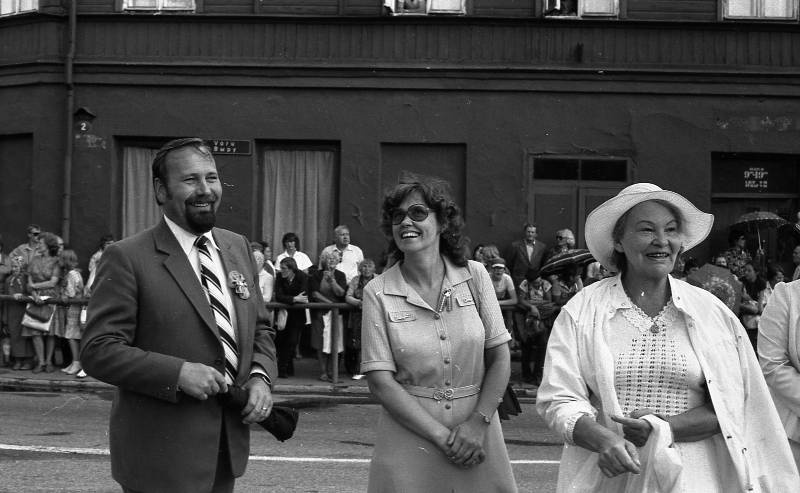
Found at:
(239, 284)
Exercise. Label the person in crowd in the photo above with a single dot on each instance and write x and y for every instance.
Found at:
(525, 254)
(257, 246)
(21, 348)
(291, 249)
(266, 278)
(44, 276)
(327, 285)
(796, 261)
(349, 254)
(753, 300)
(775, 275)
(737, 255)
(105, 241)
(72, 288)
(535, 298)
(290, 287)
(477, 253)
(489, 252)
(33, 248)
(690, 266)
(5, 265)
(565, 284)
(720, 261)
(432, 327)
(593, 274)
(647, 378)
(565, 241)
(176, 324)
(354, 296)
(504, 290)
(779, 354)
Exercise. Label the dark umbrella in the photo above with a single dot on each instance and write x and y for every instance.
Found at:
(720, 282)
(757, 220)
(576, 256)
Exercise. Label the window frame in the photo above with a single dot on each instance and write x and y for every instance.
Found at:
(725, 16)
(580, 11)
(17, 11)
(126, 7)
(432, 7)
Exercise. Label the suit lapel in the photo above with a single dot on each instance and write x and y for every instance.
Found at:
(180, 269)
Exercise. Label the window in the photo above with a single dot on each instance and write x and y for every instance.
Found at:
(581, 8)
(159, 5)
(425, 7)
(760, 9)
(8, 7)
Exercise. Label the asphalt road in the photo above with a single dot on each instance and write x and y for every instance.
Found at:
(58, 442)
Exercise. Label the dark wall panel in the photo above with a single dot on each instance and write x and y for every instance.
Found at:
(504, 8)
(16, 188)
(228, 7)
(678, 10)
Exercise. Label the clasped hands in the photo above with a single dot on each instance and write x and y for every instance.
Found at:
(464, 443)
(618, 455)
(202, 381)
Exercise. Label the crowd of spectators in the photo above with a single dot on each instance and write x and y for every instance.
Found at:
(44, 269)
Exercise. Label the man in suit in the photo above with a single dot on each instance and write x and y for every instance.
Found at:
(152, 332)
(525, 254)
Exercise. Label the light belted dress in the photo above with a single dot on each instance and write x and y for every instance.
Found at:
(437, 355)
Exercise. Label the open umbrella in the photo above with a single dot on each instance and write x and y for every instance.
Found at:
(720, 282)
(758, 219)
(576, 256)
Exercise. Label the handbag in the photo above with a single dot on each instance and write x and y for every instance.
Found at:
(509, 406)
(32, 318)
(280, 320)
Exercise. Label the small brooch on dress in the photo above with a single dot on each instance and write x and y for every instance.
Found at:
(239, 284)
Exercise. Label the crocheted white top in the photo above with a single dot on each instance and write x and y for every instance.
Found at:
(655, 365)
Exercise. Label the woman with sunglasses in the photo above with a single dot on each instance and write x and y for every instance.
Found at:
(435, 353)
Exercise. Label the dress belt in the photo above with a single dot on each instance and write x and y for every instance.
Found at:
(448, 394)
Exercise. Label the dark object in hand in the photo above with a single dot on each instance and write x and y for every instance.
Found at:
(281, 422)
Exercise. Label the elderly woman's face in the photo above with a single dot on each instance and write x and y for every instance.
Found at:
(366, 269)
(651, 240)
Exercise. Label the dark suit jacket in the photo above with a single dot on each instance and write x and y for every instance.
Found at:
(518, 262)
(148, 315)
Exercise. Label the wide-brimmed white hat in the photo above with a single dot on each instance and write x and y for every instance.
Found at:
(695, 224)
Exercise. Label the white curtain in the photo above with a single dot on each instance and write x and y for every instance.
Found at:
(299, 197)
(139, 208)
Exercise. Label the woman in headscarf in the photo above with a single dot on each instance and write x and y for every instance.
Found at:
(651, 381)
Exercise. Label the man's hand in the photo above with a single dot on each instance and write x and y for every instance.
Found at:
(200, 381)
(259, 401)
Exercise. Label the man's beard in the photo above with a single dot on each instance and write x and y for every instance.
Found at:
(201, 222)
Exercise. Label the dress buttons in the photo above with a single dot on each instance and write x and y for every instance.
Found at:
(447, 362)
(437, 316)
(447, 382)
(443, 337)
(447, 406)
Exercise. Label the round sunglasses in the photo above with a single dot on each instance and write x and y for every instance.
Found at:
(417, 213)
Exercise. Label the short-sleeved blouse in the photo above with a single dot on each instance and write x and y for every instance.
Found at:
(402, 334)
(44, 268)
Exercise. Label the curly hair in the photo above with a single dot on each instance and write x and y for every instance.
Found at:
(436, 194)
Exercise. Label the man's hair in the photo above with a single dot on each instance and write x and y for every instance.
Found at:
(338, 229)
(32, 227)
(529, 225)
(160, 161)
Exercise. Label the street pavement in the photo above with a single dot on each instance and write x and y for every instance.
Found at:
(57, 442)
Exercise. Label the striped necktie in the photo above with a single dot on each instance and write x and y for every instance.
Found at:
(216, 298)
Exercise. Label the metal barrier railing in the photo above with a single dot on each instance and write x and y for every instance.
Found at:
(336, 309)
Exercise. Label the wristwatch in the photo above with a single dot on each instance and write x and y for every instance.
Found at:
(486, 419)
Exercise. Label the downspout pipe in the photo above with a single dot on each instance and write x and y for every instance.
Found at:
(66, 202)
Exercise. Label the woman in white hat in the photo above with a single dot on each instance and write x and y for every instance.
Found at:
(651, 381)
